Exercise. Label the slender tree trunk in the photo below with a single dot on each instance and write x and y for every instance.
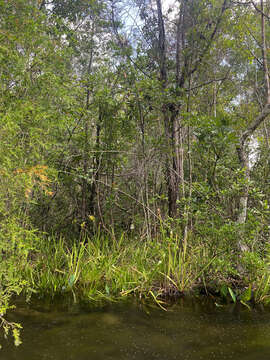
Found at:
(188, 219)
(96, 169)
(172, 125)
(244, 162)
(86, 139)
(264, 55)
(242, 148)
(170, 113)
(145, 192)
(215, 99)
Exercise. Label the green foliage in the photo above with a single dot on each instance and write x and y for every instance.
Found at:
(16, 243)
(232, 294)
(101, 132)
(104, 269)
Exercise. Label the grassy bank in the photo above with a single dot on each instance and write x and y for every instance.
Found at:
(102, 268)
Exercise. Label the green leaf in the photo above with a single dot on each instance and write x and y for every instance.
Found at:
(246, 296)
(71, 280)
(224, 290)
(107, 289)
(245, 304)
(232, 294)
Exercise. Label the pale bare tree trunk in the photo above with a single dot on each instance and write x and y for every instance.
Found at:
(244, 161)
(215, 99)
(242, 148)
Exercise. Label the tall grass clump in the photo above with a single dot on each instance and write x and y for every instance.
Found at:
(105, 268)
(261, 278)
(102, 268)
(55, 267)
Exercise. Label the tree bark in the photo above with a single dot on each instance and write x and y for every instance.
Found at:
(86, 140)
(242, 148)
(170, 123)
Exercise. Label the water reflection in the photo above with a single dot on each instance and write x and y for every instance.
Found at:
(188, 330)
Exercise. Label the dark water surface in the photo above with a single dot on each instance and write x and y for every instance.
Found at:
(188, 330)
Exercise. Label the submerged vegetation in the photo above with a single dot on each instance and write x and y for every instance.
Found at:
(134, 150)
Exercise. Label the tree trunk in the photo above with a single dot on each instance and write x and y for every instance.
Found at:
(244, 162)
(170, 114)
(86, 139)
(242, 148)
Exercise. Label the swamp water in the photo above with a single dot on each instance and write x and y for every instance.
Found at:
(188, 330)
